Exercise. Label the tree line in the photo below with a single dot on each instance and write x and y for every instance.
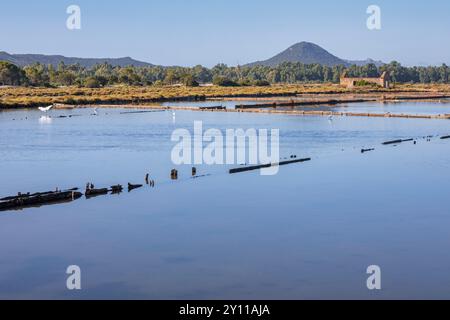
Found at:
(101, 75)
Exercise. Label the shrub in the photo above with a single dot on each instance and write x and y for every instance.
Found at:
(261, 83)
(92, 82)
(245, 82)
(189, 81)
(224, 82)
(364, 83)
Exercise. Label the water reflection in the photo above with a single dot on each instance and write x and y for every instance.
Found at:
(308, 232)
(45, 120)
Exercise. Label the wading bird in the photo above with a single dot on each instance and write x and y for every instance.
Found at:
(46, 109)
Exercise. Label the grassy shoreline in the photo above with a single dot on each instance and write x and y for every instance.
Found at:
(26, 97)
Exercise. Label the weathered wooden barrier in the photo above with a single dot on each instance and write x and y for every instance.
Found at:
(132, 187)
(392, 142)
(251, 168)
(24, 195)
(268, 165)
(283, 163)
(295, 103)
(213, 108)
(116, 189)
(90, 193)
(141, 111)
(397, 141)
(174, 174)
(26, 200)
(22, 202)
(272, 109)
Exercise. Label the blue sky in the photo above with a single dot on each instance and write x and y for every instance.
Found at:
(190, 32)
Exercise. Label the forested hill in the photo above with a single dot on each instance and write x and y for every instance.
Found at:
(23, 60)
(303, 52)
(310, 53)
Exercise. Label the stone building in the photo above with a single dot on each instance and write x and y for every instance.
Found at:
(382, 81)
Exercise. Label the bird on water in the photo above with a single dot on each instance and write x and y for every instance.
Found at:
(46, 109)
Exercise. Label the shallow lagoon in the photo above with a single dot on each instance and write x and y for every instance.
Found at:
(433, 108)
(411, 107)
(309, 232)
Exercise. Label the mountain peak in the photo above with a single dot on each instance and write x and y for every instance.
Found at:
(308, 53)
(304, 44)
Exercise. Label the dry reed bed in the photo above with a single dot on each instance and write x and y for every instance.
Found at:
(17, 97)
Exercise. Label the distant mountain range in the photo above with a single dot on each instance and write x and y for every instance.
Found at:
(303, 52)
(310, 53)
(28, 59)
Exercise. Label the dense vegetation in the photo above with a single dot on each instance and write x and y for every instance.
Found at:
(102, 75)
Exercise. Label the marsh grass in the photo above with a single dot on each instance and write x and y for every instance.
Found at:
(22, 97)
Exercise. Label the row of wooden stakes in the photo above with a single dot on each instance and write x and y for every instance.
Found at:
(27, 200)
(174, 173)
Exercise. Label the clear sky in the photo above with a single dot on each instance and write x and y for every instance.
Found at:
(190, 32)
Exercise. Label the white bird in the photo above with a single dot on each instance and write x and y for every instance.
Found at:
(95, 111)
(46, 109)
(330, 118)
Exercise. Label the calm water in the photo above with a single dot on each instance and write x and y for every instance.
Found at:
(309, 232)
(410, 107)
(434, 108)
(229, 104)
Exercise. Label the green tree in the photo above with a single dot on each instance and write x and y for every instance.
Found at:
(37, 75)
(11, 75)
(443, 73)
(66, 78)
(202, 74)
(172, 77)
(129, 76)
(189, 81)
